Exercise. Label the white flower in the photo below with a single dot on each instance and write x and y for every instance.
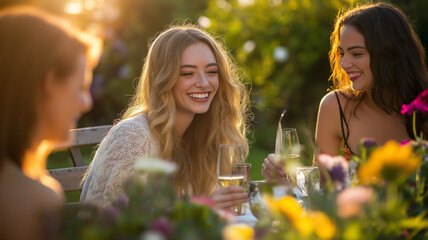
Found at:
(152, 235)
(280, 54)
(155, 165)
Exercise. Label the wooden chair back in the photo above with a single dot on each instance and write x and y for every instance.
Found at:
(70, 178)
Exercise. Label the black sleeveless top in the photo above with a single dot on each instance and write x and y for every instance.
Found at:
(347, 152)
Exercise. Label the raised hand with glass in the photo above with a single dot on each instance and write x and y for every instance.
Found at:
(288, 146)
(231, 170)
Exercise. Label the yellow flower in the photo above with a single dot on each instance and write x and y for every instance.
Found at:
(290, 207)
(304, 225)
(238, 231)
(324, 227)
(271, 204)
(295, 213)
(389, 162)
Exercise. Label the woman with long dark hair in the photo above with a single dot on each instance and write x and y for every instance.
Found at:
(378, 64)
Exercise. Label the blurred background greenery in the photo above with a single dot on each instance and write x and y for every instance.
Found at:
(280, 45)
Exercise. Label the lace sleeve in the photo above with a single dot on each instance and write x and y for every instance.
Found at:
(114, 161)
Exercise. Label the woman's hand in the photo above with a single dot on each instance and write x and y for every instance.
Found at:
(229, 196)
(273, 171)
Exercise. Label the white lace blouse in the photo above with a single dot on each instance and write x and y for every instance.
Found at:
(126, 142)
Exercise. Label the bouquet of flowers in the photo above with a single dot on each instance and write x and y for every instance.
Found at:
(381, 194)
(149, 210)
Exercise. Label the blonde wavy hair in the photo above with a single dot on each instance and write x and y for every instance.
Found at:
(224, 122)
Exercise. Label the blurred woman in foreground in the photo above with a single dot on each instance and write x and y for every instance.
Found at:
(45, 75)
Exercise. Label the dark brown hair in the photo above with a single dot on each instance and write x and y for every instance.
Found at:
(32, 43)
(397, 57)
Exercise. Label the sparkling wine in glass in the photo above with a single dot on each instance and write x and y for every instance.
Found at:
(288, 146)
(231, 169)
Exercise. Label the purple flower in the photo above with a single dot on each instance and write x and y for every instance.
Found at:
(369, 142)
(337, 168)
(163, 226)
(337, 173)
(109, 215)
(419, 104)
(122, 202)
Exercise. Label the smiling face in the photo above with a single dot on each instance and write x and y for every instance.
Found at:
(355, 59)
(198, 81)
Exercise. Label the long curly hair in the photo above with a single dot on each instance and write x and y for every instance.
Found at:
(397, 58)
(224, 122)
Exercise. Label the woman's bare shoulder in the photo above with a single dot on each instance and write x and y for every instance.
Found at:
(329, 102)
(328, 133)
(24, 203)
(335, 100)
(23, 190)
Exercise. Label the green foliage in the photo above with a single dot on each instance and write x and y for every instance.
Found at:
(391, 208)
(126, 44)
(301, 28)
(147, 209)
(297, 79)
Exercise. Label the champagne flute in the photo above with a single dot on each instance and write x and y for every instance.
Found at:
(231, 169)
(288, 147)
(287, 151)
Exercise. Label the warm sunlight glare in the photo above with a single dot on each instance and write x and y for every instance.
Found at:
(74, 7)
(90, 4)
(245, 2)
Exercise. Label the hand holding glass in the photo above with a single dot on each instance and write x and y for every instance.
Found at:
(288, 146)
(231, 169)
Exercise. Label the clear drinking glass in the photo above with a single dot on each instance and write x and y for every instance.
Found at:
(288, 146)
(257, 204)
(231, 169)
(258, 188)
(307, 178)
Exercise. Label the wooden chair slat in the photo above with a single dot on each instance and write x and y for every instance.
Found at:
(76, 156)
(70, 178)
(86, 136)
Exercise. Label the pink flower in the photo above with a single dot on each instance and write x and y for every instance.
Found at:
(419, 104)
(227, 215)
(204, 201)
(351, 201)
(405, 142)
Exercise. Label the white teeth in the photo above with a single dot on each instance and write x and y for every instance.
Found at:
(354, 75)
(198, 95)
